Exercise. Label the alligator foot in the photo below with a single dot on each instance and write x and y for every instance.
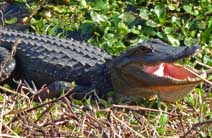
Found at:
(59, 88)
(7, 64)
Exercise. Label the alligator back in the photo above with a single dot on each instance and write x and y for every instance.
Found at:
(45, 59)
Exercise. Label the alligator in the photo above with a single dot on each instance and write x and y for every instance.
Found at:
(144, 70)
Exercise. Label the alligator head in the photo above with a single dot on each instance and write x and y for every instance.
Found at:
(149, 69)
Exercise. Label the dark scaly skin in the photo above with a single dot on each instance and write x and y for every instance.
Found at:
(46, 59)
(57, 62)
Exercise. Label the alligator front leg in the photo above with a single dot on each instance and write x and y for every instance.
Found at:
(7, 64)
(58, 88)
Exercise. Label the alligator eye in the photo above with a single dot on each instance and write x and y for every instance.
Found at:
(147, 50)
(142, 48)
(142, 51)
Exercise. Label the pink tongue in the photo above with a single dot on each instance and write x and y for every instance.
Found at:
(169, 70)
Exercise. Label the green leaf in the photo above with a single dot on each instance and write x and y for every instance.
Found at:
(209, 77)
(83, 3)
(172, 6)
(206, 34)
(200, 25)
(152, 23)
(163, 119)
(162, 122)
(173, 40)
(123, 28)
(169, 30)
(128, 18)
(190, 100)
(207, 59)
(206, 6)
(98, 17)
(1, 98)
(109, 36)
(87, 27)
(189, 9)
(100, 5)
(160, 11)
(174, 19)
(188, 41)
(134, 31)
(116, 18)
(11, 21)
(99, 114)
(144, 14)
(148, 31)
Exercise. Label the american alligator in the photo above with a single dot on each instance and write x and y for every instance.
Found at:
(144, 70)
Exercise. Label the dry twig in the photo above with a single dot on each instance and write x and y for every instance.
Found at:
(136, 108)
(138, 134)
(207, 122)
(198, 76)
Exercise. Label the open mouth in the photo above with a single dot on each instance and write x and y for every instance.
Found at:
(183, 80)
(173, 71)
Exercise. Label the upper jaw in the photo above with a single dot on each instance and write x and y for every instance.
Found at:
(162, 52)
(154, 52)
(169, 55)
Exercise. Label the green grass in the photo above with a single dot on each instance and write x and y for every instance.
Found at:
(115, 26)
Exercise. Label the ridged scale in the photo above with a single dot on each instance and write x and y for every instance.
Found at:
(77, 46)
(52, 58)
